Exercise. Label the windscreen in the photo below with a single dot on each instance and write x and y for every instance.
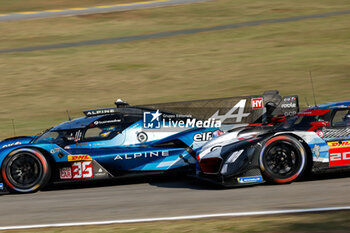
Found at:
(60, 137)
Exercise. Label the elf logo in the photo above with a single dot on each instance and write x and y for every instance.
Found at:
(206, 136)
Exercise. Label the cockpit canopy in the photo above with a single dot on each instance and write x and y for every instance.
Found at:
(87, 129)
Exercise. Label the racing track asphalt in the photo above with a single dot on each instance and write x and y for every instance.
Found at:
(159, 35)
(92, 10)
(167, 197)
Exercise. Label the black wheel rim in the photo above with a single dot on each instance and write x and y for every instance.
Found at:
(282, 159)
(24, 170)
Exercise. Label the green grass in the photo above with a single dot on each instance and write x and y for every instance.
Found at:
(315, 222)
(37, 88)
(39, 5)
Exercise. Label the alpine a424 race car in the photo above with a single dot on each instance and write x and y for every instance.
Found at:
(126, 140)
(315, 140)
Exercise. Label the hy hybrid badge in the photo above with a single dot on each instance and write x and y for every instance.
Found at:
(152, 120)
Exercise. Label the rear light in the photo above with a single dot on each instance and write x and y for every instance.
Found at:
(210, 165)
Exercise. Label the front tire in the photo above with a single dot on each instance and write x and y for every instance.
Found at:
(25, 170)
(282, 159)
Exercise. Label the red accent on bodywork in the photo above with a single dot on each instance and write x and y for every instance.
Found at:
(277, 119)
(256, 124)
(314, 112)
(318, 124)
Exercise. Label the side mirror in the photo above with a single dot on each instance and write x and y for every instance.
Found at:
(318, 124)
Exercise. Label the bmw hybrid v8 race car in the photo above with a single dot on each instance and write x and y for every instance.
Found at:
(124, 140)
(315, 140)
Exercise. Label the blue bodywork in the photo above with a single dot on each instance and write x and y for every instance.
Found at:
(117, 144)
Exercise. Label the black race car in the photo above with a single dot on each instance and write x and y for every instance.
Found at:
(315, 140)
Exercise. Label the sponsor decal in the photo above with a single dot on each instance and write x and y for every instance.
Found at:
(55, 150)
(100, 111)
(206, 136)
(1, 186)
(106, 122)
(152, 120)
(291, 113)
(339, 144)
(289, 105)
(78, 157)
(100, 172)
(339, 153)
(142, 137)
(288, 99)
(157, 120)
(11, 144)
(250, 179)
(142, 155)
(257, 103)
(191, 123)
(320, 133)
(316, 150)
(82, 170)
(65, 173)
(217, 133)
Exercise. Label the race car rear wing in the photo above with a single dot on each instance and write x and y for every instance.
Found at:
(234, 110)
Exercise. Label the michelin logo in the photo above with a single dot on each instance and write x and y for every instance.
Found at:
(251, 179)
(1, 186)
(152, 120)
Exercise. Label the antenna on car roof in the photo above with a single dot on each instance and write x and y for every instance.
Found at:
(307, 103)
(13, 127)
(69, 118)
(313, 91)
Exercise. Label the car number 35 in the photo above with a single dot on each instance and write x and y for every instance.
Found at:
(82, 170)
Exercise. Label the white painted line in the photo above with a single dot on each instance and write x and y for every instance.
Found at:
(237, 214)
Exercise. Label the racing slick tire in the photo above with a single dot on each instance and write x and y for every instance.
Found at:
(25, 170)
(282, 159)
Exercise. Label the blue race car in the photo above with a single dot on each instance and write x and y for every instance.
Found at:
(315, 140)
(119, 141)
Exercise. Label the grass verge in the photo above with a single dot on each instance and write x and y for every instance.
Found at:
(315, 222)
(37, 88)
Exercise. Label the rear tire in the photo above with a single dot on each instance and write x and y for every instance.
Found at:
(25, 170)
(282, 159)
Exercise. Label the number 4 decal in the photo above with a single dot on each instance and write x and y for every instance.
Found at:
(240, 114)
(82, 170)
